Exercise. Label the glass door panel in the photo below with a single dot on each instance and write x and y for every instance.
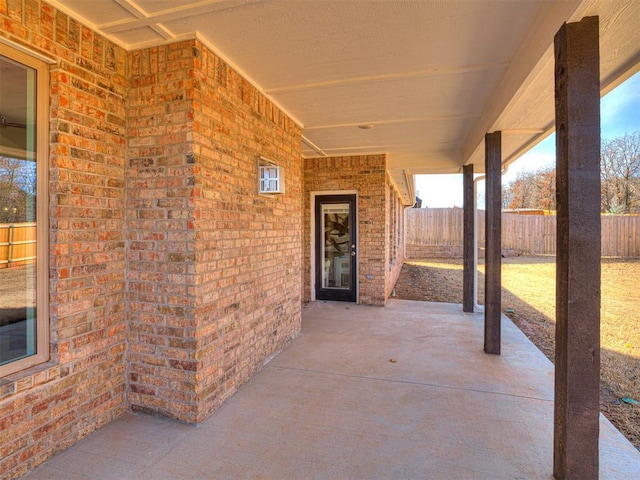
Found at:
(335, 247)
(336, 271)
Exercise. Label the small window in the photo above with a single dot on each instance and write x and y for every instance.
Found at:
(271, 177)
(24, 320)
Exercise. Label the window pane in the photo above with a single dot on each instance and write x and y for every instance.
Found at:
(17, 211)
(336, 272)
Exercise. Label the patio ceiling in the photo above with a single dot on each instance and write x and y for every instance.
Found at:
(427, 78)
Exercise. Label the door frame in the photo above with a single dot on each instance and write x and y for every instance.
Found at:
(312, 253)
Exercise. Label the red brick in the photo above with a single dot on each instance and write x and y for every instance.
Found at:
(211, 278)
(376, 199)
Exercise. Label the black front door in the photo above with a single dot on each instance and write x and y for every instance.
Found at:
(336, 257)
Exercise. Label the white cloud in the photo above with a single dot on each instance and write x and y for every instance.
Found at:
(440, 191)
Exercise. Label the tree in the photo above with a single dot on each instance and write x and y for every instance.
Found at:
(546, 189)
(620, 165)
(17, 190)
(532, 190)
(518, 193)
(620, 180)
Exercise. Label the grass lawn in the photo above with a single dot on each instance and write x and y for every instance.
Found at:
(528, 298)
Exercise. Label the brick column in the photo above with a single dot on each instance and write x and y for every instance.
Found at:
(468, 238)
(577, 359)
(214, 267)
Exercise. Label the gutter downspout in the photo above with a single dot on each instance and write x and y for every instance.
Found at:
(477, 308)
(412, 192)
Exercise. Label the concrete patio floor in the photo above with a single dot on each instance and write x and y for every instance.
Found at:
(401, 392)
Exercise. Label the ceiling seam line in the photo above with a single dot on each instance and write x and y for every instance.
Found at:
(168, 15)
(391, 122)
(390, 77)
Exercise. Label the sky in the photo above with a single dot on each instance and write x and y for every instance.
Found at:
(619, 114)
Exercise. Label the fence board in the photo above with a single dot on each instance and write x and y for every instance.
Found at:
(17, 244)
(525, 234)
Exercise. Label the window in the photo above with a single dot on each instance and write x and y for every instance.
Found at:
(271, 177)
(24, 324)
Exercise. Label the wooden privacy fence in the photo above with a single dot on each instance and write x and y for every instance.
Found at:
(524, 234)
(435, 226)
(529, 234)
(17, 244)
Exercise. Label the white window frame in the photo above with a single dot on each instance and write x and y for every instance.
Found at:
(270, 174)
(18, 54)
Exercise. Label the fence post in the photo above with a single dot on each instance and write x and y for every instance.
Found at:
(11, 237)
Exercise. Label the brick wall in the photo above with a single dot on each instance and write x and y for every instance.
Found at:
(214, 268)
(161, 262)
(395, 236)
(367, 175)
(46, 408)
(434, 251)
(248, 246)
(153, 195)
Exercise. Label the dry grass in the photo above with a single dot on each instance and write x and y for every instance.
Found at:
(528, 295)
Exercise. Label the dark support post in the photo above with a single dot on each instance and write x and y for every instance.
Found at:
(468, 239)
(577, 358)
(493, 252)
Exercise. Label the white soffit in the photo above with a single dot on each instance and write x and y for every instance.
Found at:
(431, 77)
(528, 116)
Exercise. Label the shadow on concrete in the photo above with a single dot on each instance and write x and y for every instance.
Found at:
(444, 284)
(364, 392)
